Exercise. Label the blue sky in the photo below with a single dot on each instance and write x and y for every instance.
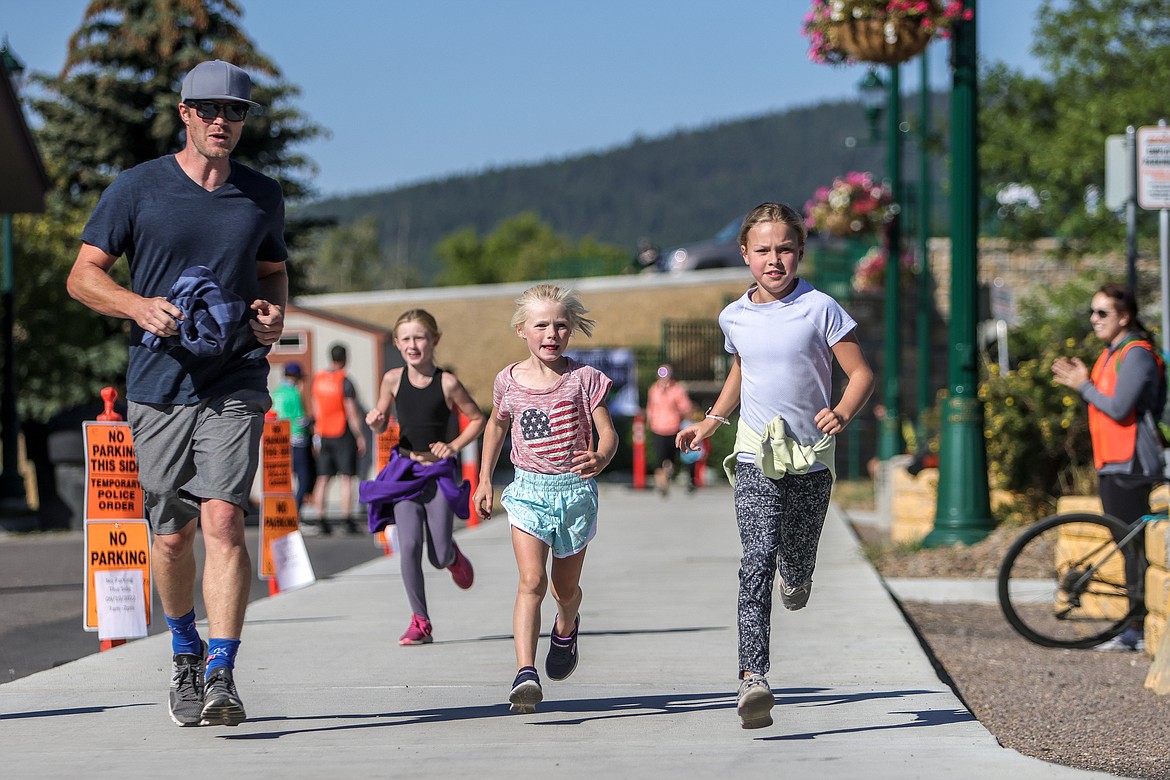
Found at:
(421, 89)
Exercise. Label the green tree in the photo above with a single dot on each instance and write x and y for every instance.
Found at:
(348, 258)
(1106, 64)
(113, 106)
(65, 352)
(521, 248)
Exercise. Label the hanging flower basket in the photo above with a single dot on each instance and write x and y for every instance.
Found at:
(843, 225)
(856, 204)
(880, 31)
(886, 41)
(869, 275)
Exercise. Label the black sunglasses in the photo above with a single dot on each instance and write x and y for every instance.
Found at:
(1099, 313)
(209, 110)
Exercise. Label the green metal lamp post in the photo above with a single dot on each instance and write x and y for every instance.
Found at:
(964, 510)
(873, 95)
(922, 324)
(890, 442)
(875, 92)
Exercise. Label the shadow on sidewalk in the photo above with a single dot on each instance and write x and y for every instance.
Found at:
(921, 718)
(616, 632)
(69, 711)
(593, 710)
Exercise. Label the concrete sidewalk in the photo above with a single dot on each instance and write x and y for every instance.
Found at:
(331, 694)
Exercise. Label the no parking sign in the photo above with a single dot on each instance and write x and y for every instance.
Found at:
(1153, 151)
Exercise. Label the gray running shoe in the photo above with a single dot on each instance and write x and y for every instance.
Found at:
(186, 699)
(526, 692)
(221, 703)
(795, 598)
(755, 701)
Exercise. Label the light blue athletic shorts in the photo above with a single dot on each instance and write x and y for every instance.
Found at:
(558, 509)
(190, 452)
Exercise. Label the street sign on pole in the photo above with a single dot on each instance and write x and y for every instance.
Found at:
(1118, 173)
(1153, 167)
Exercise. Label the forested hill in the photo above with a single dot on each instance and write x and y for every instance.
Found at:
(677, 188)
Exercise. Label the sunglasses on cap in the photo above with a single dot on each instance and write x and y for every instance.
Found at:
(209, 110)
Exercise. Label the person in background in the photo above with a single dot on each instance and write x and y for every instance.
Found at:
(1125, 391)
(195, 404)
(341, 437)
(667, 405)
(288, 401)
(646, 257)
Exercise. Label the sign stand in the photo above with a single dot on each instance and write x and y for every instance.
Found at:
(117, 537)
(278, 512)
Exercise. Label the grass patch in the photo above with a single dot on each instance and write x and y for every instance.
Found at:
(854, 494)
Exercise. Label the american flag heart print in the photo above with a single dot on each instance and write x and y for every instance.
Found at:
(551, 435)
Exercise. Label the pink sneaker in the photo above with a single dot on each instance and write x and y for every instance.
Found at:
(461, 570)
(419, 632)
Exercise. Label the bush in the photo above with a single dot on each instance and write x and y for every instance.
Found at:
(1036, 431)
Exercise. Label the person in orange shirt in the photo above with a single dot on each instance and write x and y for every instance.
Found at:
(667, 405)
(342, 437)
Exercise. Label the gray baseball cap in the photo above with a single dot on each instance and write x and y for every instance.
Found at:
(217, 80)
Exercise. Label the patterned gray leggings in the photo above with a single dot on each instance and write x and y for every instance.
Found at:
(780, 522)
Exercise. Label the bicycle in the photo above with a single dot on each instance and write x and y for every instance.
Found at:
(1063, 582)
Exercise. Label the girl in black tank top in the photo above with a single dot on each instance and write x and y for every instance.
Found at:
(423, 414)
(421, 489)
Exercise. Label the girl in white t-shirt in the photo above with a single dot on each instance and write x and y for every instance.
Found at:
(553, 404)
(784, 335)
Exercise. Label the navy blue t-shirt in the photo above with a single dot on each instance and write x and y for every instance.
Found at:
(164, 223)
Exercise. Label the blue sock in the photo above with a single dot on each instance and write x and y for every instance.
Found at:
(222, 652)
(184, 635)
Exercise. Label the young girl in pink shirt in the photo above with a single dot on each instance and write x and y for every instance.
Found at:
(553, 405)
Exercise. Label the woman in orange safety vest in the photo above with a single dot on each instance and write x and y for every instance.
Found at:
(1125, 391)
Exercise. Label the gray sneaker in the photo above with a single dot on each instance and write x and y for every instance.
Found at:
(795, 598)
(221, 703)
(755, 701)
(186, 699)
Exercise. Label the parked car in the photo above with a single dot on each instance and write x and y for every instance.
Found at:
(721, 251)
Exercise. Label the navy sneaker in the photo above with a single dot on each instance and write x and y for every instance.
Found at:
(526, 692)
(562, 652)
(1131, 640)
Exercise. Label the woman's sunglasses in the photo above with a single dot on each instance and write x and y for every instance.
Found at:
(209, 110)
(1099, 313)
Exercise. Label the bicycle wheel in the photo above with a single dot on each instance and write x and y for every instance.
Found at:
(1062, 583)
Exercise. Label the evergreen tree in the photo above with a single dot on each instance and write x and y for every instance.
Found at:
(114, 105)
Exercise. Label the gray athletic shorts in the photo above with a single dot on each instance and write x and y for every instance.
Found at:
(191, 452)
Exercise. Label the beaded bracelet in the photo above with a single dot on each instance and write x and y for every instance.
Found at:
(722, 420)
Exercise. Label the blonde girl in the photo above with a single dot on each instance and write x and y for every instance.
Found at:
(553, 406)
